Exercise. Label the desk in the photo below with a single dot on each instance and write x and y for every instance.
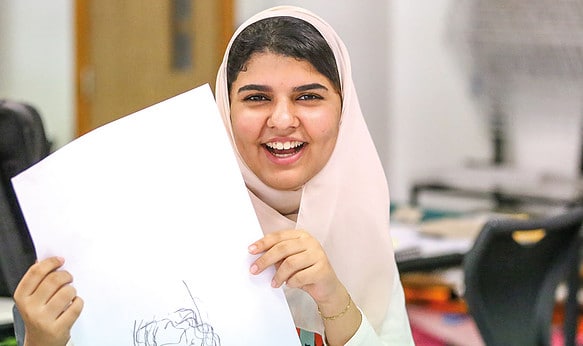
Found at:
(440, 257)
(419, 251)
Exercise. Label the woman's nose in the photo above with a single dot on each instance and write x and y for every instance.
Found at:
(283, 116)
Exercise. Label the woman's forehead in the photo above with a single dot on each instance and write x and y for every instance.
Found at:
(270, 64)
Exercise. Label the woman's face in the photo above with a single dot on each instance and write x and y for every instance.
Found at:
(285, 117)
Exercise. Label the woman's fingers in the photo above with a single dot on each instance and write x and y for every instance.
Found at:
(61, 299)
(48, 302)
(294, 270)
(276, 247)
(269, 240)
(71, 313)
(279, 254)
(299, 259)
(35, 275)
(44, 289)
(303, 278)
(53, 283)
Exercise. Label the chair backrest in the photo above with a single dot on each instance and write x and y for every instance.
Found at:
(512, 272)
(22, 143)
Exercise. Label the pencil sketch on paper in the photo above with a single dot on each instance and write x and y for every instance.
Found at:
(184, 326)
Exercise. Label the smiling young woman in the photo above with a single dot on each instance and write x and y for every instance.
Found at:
(319, 191)
(285, 117)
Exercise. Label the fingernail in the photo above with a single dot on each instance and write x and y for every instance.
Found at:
(273, 283)
(254, 269)
(252, 248)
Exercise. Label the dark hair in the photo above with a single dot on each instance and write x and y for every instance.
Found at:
(288, 36)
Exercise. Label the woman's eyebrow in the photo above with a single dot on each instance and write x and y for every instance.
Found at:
(253, 87)
(311, 86)
(259, 87)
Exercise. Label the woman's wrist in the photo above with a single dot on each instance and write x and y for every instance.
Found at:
(340, 328)
(327, 317)
(335, 304)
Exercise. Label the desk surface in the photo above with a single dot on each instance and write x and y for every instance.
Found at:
(6, 305)
(421, 251)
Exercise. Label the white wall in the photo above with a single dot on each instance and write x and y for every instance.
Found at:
(433, 122)
(436, 125)
(545, 127)
(37, 61)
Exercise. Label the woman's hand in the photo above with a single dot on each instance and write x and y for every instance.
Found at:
(300, 262)
(48, 303)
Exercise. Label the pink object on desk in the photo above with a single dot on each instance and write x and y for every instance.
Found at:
(450, 329)
(557, 338)
(421, 338)
(434, 328)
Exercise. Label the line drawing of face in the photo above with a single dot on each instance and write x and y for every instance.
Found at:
(285, 117)
(182, 327)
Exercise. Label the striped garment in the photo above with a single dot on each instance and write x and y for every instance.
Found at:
(310, 338)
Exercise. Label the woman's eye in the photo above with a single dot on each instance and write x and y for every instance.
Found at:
(307, 97)
(256, 98)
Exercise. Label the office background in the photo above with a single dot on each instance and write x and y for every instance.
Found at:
(415, 92)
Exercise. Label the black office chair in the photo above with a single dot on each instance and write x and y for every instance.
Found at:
(511, 275)
(22, 143)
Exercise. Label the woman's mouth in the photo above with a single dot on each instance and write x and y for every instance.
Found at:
(284, 149)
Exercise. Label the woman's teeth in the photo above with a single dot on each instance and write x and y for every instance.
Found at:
(284, 149)
(283, 145)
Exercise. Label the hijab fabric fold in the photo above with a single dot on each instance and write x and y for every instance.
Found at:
(345, 206)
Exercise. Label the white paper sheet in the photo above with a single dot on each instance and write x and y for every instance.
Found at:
(152, 217)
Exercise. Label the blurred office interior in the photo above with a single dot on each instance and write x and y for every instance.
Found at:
(472, 104)
(423, 99)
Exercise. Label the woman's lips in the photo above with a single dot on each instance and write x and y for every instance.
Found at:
(284, 153)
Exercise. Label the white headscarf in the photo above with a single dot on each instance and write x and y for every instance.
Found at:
(345, 206)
